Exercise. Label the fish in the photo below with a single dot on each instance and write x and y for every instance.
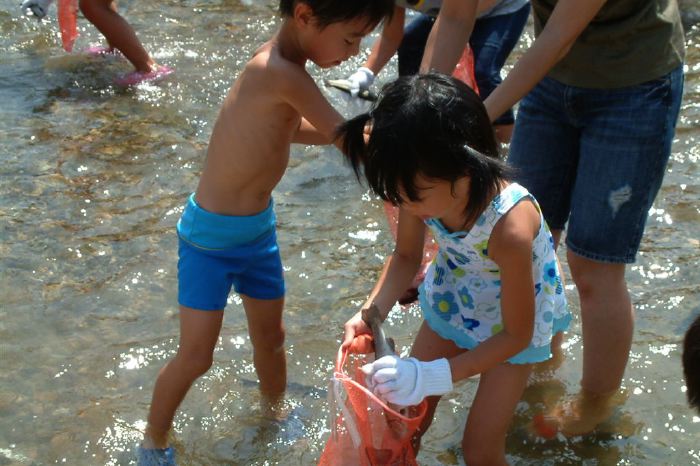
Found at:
(344, 85)
(383, 345)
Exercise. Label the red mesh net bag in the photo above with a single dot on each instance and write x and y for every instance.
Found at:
(464, 71)
(365, 431)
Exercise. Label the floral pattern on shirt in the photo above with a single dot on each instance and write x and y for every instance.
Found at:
(463, 284)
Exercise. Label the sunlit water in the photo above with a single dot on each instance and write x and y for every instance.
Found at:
(92, 182)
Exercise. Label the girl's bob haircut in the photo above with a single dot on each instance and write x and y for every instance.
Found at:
(430, 124)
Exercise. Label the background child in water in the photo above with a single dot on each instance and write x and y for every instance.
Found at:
(118, 33)
(493, 297)
(227, 230)
(121, 36)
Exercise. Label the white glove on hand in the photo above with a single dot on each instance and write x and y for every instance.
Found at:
(39, 8)
(405, 382)
(360, 80)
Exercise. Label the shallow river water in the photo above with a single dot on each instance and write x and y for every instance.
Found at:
(92, 181)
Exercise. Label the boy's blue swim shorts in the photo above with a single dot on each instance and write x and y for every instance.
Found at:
(220, 251)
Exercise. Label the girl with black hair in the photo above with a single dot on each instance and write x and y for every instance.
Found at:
(493, 298)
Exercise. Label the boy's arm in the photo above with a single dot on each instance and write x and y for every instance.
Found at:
(510, 246)
(319, 119)
(309, 135)
(569, 18)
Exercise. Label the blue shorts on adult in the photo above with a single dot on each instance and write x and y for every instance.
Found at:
(596, 158)
(217, 252)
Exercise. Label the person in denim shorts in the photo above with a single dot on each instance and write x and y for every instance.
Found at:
(496, 31)
(592, 137)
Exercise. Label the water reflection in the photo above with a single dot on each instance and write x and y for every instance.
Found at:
(92, 182)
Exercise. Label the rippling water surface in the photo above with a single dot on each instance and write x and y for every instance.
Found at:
(92, 182)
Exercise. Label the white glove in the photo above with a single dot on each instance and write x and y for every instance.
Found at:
(405, 382)
(39, 8)
(360, 80)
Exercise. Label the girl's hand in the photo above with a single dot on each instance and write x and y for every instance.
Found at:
(354, 329)
(405, 382)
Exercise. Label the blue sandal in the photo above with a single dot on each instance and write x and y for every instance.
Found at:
(155, 456)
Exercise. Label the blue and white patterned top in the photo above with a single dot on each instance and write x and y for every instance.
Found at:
(461, 294)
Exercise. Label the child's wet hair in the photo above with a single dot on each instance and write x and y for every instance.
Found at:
(691, 363)
(433, 125)
(327, 12)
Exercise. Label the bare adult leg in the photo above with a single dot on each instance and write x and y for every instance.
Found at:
(607, 318)
(608, 322)
(199, 332)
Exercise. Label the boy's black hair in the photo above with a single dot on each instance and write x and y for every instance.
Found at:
(691, 363)
(433, 125)
(327, 12)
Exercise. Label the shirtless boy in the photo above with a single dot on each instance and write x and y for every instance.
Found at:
(227, 230)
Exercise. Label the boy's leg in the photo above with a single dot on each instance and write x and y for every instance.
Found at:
(266, 330)
(118, 32)
(491, 413)
(429, 346)
(199, 332)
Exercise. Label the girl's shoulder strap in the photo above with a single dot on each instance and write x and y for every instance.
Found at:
(508, 197)
(501, 204)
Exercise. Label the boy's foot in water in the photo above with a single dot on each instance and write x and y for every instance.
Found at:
(579, 415)
(155, 456)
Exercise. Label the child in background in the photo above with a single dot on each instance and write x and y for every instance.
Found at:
(227, 230)
(691, 363)
(493, 297)
(121, 36)
(118, 33)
